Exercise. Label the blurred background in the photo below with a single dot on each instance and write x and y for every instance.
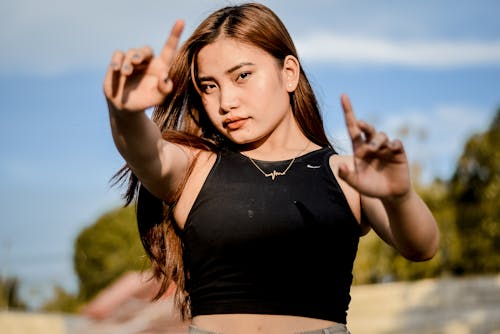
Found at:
(425, 71)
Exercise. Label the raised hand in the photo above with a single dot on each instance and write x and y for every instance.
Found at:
(380, 165)
(137, 80)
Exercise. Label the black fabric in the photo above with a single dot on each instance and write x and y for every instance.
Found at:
(254, 245)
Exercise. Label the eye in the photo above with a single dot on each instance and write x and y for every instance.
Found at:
(243, 76)
(207, 88)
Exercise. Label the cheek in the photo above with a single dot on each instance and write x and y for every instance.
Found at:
(212, 111)
(271, 89)
(210, 106)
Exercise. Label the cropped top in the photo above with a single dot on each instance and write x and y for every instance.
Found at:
(284, 246)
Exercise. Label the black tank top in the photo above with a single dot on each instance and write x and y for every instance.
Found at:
(254, 245)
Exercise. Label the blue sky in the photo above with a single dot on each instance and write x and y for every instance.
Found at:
(432, 67)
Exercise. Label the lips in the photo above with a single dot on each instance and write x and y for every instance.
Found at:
(234, 123)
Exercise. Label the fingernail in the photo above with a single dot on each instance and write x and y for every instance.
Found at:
(114, 65)
(136, 56)
(126, 68)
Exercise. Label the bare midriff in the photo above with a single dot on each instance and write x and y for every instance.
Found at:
(257, 323)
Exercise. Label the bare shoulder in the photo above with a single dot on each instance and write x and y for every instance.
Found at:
(203, 161)
(336, 160)
(176, 161)
(352, 196)
(186, 155)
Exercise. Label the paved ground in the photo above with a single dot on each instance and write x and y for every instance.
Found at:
(450, 306)
(29, 323)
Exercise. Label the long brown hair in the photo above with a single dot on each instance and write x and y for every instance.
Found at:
(183, 120)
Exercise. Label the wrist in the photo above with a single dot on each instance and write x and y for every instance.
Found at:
(122, 113)
(398, 200)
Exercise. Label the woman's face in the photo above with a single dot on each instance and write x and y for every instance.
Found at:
(244, 91)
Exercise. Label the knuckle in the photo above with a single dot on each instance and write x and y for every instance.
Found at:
(357, 136)
(379, 137)
(117, 54)
(370, 128)
(131, 52)
(147, 49)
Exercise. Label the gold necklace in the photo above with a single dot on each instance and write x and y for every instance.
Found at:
(275, 173)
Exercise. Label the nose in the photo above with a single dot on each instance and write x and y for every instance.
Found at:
(228, 99)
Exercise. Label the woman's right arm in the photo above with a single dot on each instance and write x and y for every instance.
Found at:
(135, 81)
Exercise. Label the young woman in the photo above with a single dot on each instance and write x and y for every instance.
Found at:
(243, 202)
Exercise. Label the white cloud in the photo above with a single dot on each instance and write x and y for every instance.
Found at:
(61, 35)
(328, 47)
(435, 137)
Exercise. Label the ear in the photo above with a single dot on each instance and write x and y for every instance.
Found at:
(291, 73)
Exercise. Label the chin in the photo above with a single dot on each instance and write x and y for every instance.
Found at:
(240, 138)
(254, 141)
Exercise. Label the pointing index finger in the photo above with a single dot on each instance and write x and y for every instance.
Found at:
(350, 120)
(170, 47)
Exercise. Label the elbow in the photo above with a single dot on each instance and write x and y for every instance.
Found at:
(420, 257)
(423, 253)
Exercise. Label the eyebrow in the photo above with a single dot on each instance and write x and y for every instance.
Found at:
(229, 71)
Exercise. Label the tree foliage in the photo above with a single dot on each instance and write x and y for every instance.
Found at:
(62, 301)
(378, 262)
(475, 189)
(467, 210)
(106, 250)
(9, 294)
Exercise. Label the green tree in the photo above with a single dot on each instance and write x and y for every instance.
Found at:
(9, 294)
(467, 210)
(62, 301)
(106, 250)
(475, 189)
(378, 262)
(436, 196)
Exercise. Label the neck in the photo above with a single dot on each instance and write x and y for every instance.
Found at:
(285, 142)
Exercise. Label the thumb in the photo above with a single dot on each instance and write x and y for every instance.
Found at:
(165, 85)
(348, 175)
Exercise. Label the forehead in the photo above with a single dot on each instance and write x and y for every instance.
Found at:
(225, 53)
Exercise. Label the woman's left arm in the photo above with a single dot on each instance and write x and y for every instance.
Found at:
(380, 173)
(406, 224)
